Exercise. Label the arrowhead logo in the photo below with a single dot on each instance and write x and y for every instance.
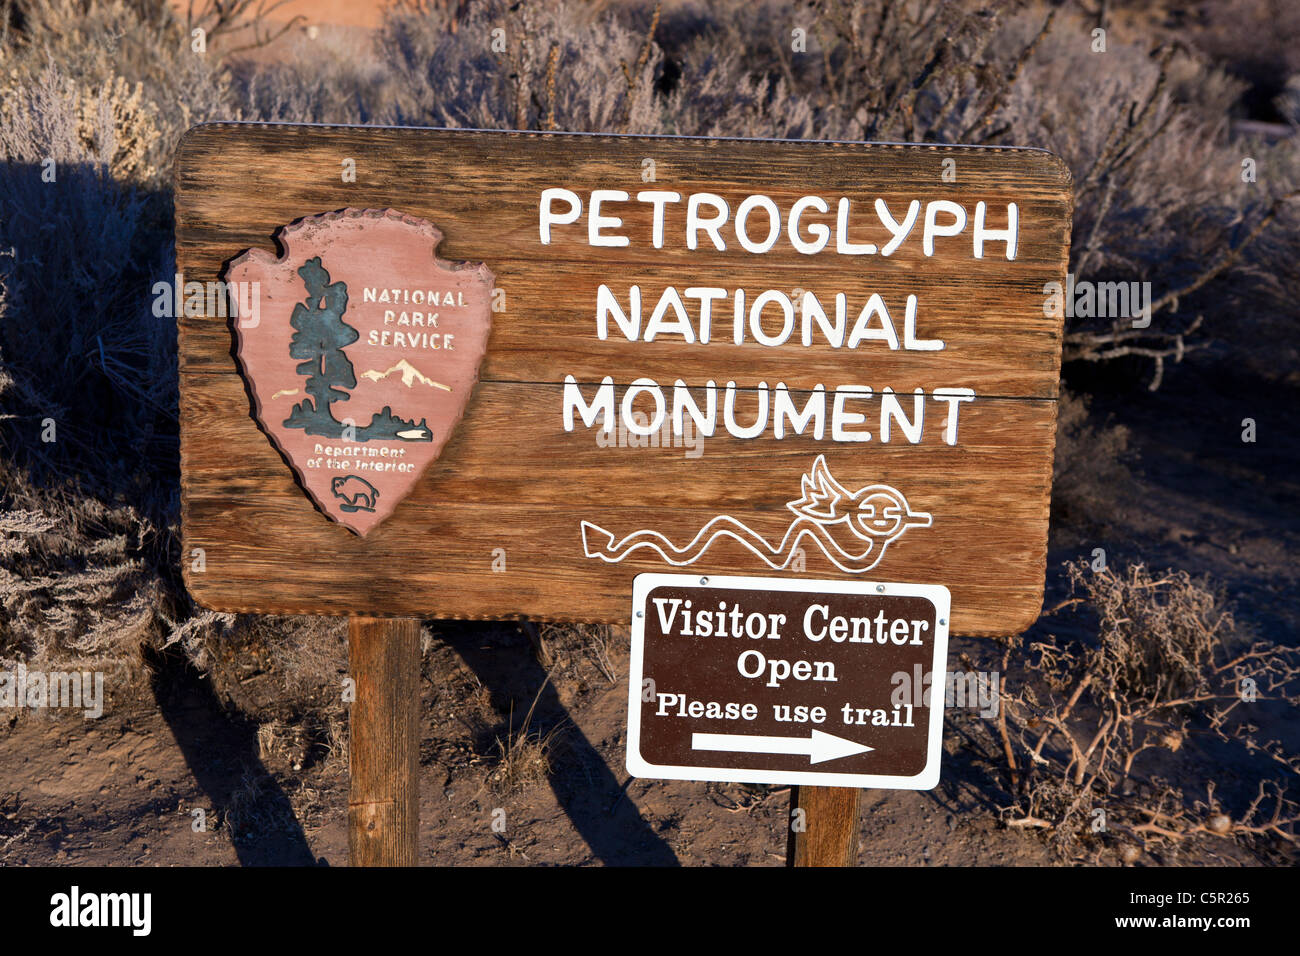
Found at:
(363, 354)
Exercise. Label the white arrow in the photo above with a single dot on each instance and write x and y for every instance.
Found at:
(819, 747)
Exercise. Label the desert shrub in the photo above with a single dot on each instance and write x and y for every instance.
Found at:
(1258, 39)
(1158, 636)
(92, 360)
(1159, 195)
(728, 82)
(922, 72)
(1158, 660)
(557, 67)
(487, 65)
(84, 584)
(1257, 310)
(76, 581)
(94, 97)
(579, 652)
(1287, 102)
(1148, 165)
(104, 48)
(1091, 481)
(113, 125)
(304, 654)
(326, 79)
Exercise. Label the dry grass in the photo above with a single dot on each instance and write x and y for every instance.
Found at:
(577, 651)
(525, 754)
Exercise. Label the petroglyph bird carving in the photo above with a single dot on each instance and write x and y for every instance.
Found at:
(852, 528)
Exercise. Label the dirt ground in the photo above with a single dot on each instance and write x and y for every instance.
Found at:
(122, 790)
(273, 784)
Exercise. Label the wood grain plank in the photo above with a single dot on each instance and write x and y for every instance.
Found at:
(983, 311)
(512, 482)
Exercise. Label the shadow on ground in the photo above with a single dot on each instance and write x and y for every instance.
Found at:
(221, 751)
(502, 657)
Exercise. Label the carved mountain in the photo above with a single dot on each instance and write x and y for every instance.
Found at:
(409, 373)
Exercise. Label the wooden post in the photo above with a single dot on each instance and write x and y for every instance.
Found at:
(384, 806)
(830, 827)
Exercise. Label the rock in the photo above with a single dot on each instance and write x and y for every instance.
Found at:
(1220, 823)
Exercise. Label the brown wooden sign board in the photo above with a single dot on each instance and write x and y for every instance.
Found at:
(770, 312)
(782, 680)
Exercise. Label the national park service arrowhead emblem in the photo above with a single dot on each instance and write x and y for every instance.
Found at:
(361, 354)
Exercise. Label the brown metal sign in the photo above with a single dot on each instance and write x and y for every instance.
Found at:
(723, 356)
(778, 680)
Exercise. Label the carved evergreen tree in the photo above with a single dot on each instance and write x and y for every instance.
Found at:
(318, 340)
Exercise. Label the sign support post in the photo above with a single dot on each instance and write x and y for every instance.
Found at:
(384, 805)
(828, 830)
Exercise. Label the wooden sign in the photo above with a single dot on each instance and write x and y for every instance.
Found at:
(720, 356)
(781, 680)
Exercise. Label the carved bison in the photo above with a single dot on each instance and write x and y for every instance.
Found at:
(357, 493)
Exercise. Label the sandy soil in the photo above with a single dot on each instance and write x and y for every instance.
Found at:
(123, 789)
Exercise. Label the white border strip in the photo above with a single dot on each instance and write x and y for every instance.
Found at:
(927, 779)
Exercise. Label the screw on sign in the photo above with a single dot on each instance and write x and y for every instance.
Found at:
(425, 368)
